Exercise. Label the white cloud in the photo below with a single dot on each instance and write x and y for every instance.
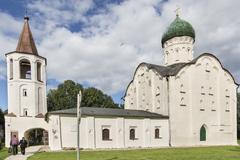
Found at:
(114, 41)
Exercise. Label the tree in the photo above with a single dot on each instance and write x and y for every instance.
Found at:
(93, 97)
(65, 96)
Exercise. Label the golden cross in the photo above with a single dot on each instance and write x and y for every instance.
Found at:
(177, 11)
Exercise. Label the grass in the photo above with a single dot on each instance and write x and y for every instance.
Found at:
(3, 153)
(198, 153)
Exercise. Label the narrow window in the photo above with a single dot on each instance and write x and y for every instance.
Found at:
(105, 134)
(39, 77)
(11, 69)
(132, 134)
(24, 92)
(157, 134)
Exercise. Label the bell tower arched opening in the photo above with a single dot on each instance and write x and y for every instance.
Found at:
(25, 69)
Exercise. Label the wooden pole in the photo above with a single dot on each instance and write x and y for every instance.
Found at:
(79, 99)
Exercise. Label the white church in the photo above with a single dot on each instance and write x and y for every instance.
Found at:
(186, 101)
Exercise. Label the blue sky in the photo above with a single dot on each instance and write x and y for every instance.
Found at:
(99, 43)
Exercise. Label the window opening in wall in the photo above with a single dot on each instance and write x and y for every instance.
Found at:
(24, 92)
(25, 112)
(132, 134)
(11, 69)
(157, 133)
(25, 69)
(39, 77)
(105, 134)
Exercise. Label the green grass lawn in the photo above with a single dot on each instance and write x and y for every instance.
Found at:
(3, 153)
(199, 153)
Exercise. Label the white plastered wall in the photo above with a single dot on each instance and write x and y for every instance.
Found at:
(205, 83)
(63, 133)
(147, 91)
(16, 101)
(21, 125)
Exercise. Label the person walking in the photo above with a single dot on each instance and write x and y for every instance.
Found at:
(23, 145)
(14, 145)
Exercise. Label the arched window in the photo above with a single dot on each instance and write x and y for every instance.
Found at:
(203, 133)
(132, 134)
(39, 73)
(105, 134)
(11, 69)
(25, 69)
(157, 134)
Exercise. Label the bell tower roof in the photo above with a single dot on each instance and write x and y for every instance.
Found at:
(26, 42)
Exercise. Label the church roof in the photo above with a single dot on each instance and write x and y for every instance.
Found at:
(26, 42)
(111, 112)
(164, 71)
(172, 70)
(177, 28)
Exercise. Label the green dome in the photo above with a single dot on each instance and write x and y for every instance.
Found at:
(178, 28)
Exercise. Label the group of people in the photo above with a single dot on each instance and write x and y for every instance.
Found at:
(14, 145)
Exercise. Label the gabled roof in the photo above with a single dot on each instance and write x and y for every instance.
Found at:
(26, 42)
(110, 112)
(173, 70)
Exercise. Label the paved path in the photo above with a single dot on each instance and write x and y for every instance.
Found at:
(29, 152)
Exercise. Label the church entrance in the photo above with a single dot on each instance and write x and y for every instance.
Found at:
(36, 136)
(203, 133)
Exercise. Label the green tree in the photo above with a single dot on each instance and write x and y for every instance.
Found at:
(65, 96)
(93, 97)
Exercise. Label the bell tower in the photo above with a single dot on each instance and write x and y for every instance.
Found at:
(26, 73)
